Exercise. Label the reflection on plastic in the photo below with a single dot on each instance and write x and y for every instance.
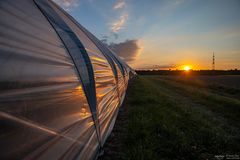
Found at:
(44, 109)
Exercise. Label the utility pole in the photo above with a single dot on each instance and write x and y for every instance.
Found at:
(213, 62)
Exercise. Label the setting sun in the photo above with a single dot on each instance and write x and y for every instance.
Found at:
(187, 68)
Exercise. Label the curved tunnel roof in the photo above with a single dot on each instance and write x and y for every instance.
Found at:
(61, 87)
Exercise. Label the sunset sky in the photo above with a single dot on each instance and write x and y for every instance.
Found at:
(167, 33)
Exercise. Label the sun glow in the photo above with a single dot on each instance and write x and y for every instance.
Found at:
(187, 68)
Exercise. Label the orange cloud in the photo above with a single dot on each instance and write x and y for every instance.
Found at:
(119, 5)
(118, 25)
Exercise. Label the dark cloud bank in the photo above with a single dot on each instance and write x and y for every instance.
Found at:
(128, 50)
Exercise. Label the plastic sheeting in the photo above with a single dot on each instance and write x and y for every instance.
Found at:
(60, 87)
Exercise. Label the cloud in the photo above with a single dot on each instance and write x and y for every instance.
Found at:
(164, 66)
(119, 5)
(119, 24)
(67, 4)
(128, 50)
(178, 2)
(115, 35)
(104, 41)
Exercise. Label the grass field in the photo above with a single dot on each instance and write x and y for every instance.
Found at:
(172, 117)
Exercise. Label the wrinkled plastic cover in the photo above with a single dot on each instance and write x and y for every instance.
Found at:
(60, 87)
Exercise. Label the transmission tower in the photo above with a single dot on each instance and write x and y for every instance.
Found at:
(213, 62)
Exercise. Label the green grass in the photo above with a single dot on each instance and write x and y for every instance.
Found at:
(164, 118)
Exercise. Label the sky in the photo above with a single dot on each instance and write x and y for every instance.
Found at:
(167, 34)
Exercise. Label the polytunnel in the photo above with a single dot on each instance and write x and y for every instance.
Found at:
(60, 87)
